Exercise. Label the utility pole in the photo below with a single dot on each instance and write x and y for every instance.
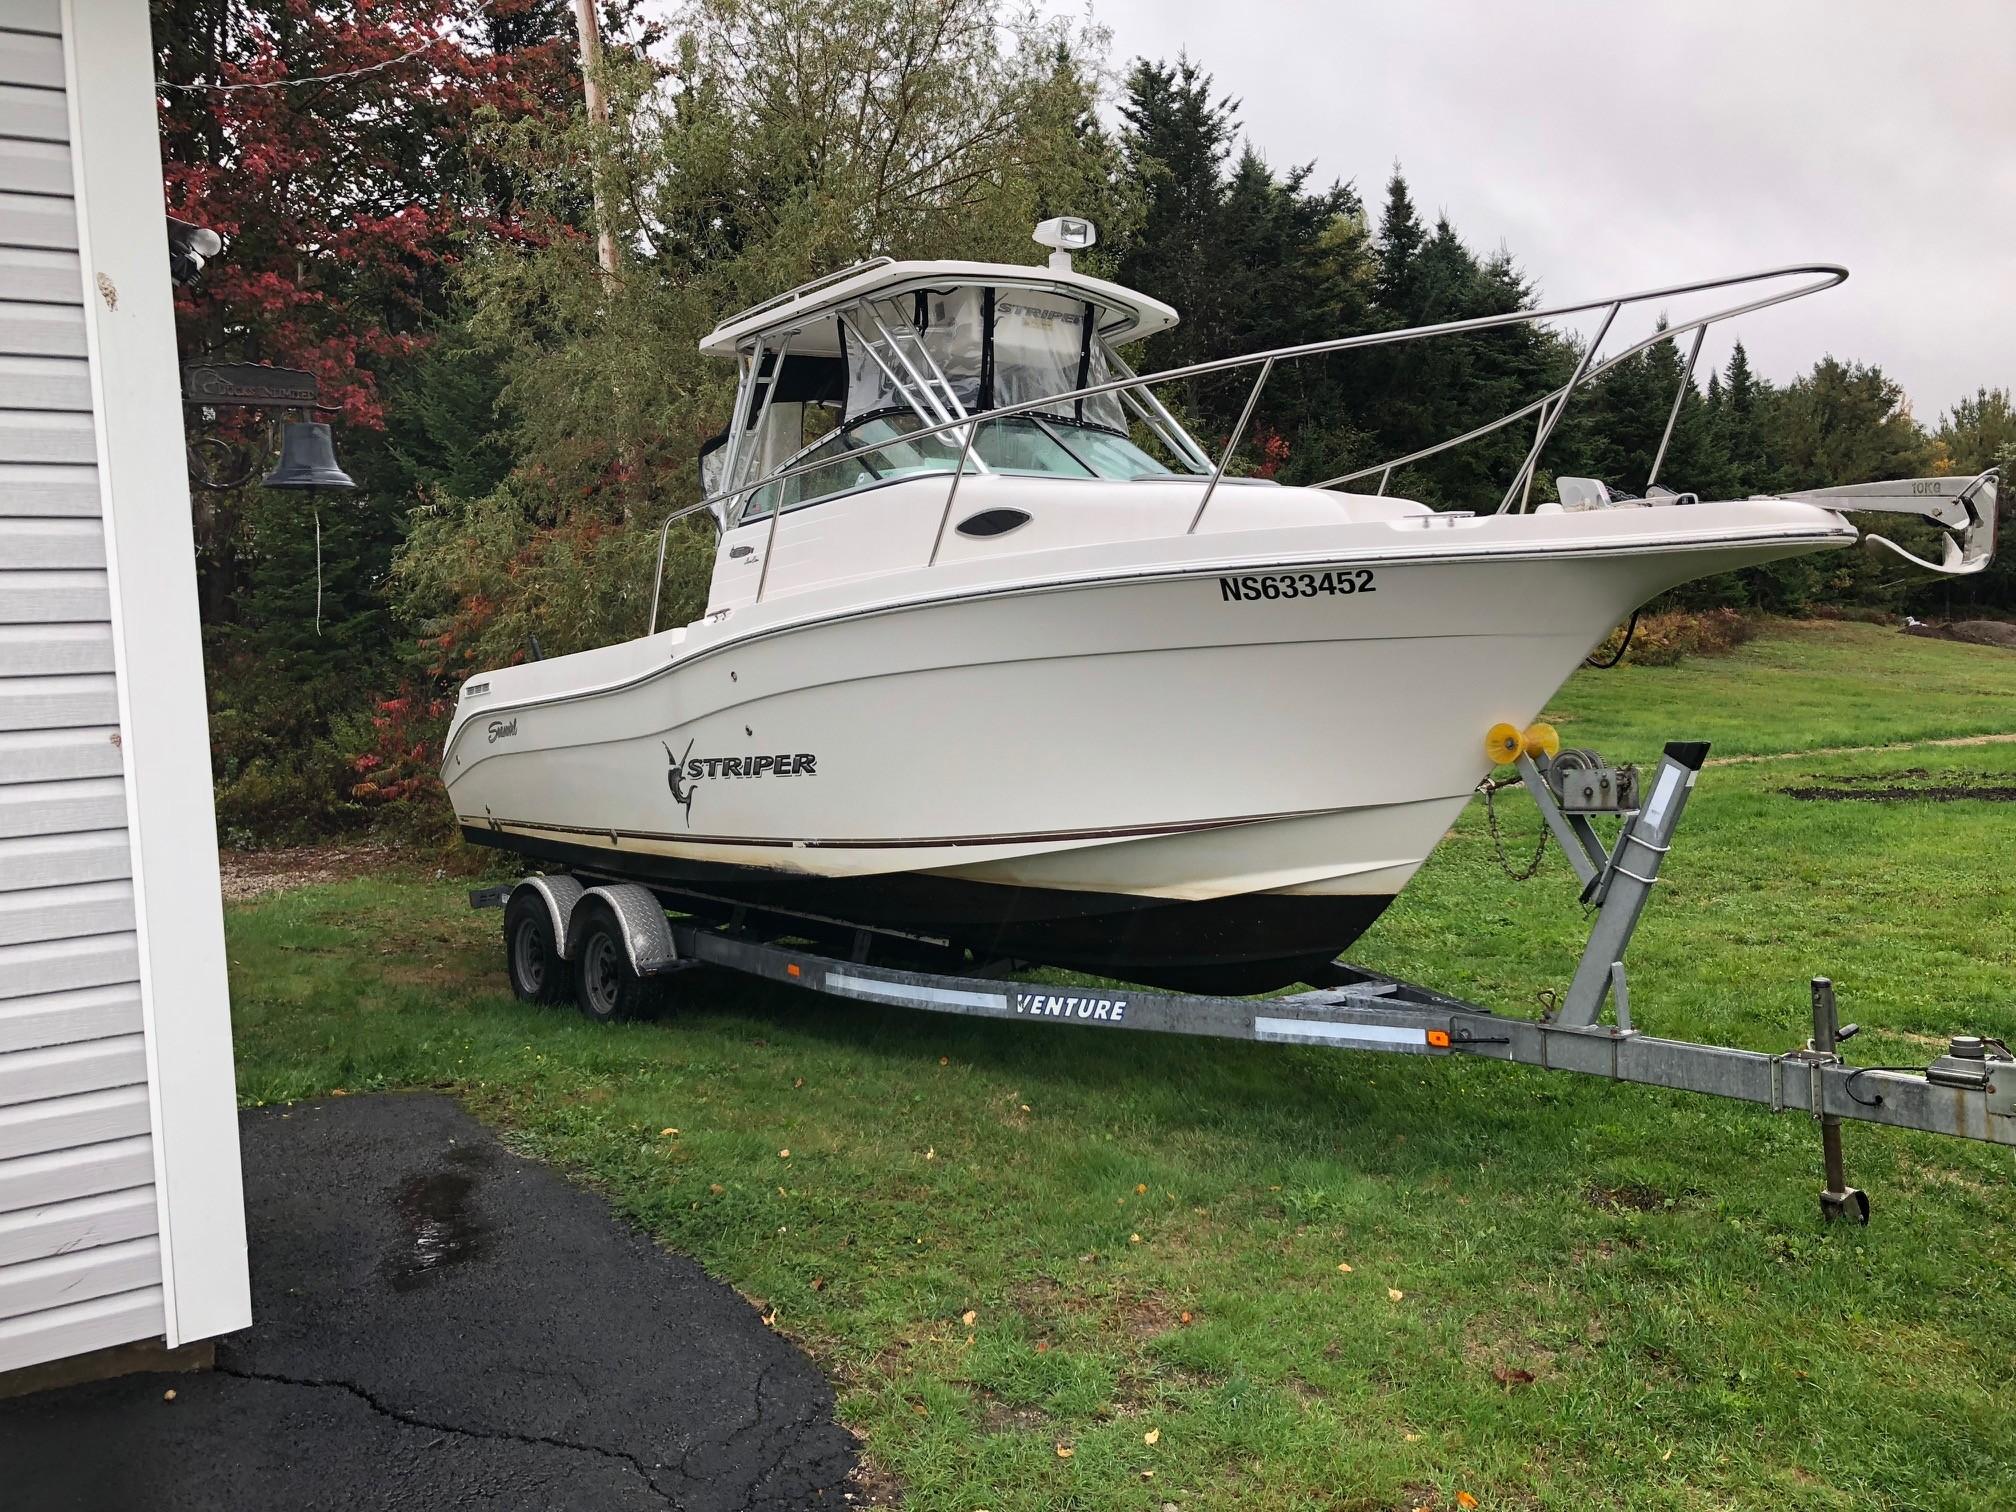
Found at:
(598, 119)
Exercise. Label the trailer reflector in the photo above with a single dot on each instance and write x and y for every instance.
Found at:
(884, 990)
(1329, 1032)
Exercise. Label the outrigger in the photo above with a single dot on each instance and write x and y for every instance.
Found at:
(611, 945)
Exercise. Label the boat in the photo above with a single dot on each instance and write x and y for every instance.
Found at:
(997, 655)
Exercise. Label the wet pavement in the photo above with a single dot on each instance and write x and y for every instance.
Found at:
(440, 1323)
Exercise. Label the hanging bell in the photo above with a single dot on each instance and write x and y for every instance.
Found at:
(307, 459)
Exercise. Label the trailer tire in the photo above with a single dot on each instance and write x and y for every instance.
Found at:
(606, 986)
(532, 959)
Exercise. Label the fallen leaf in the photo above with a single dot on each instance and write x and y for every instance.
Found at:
(1042, 1346)
(667, 1133)
(1394, 1293)
(783, 1154)
(1140, 1189)
(920, 1409)
(969, 1317)
(1133, 1238)
(716, 1188)
(797, 1082)
(1147, 1475)
(1512, 1376)
(1465, 1499)
(932, 1153)
(1152, 1436)
(1065, 1451)
(1184, 1319)
(1412, 1438)
(944, 1060)
(1024, 1107)
(818, 1283)
(1343, 1268)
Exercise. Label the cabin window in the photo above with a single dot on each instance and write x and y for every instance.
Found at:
(1025, 444)
(1017, 445)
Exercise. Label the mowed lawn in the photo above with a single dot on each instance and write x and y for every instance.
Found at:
(1054, 1268)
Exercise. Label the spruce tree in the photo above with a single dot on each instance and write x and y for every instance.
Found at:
(1400, 239)
(1175, 139)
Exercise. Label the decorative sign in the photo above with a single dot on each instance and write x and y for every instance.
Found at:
(252, 383)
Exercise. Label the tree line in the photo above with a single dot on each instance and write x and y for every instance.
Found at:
(421, 235)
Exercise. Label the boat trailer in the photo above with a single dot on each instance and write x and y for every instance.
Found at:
(612, 942)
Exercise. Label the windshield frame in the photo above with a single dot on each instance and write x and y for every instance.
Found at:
(760, 505)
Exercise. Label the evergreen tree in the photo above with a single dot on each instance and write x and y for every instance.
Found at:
(1175, 140)
(1740, 422)
(1400, 239)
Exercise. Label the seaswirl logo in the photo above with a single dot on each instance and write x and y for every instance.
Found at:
(502, 729)
(684, 771)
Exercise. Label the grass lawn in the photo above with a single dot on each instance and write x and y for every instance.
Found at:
(1060, 1270)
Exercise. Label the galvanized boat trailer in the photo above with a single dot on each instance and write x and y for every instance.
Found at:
(610, 943)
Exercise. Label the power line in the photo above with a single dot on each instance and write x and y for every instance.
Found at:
(348, 73)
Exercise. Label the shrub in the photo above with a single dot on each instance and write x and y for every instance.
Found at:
(1667, 637)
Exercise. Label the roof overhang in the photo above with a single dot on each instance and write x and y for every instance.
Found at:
(1129, 316)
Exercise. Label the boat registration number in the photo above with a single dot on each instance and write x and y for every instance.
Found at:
(1288, 585)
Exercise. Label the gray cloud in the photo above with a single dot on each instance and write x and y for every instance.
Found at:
(1627, 146)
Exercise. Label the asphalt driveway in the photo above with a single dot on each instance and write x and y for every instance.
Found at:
(439, 1323)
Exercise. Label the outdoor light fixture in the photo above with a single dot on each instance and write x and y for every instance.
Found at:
(189, 247)
(1065, 234)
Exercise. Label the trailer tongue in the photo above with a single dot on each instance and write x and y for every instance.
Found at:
(611, 944)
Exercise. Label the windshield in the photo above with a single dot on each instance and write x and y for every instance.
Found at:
(1020, 445)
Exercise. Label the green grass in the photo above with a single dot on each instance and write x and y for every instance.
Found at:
(1695, 1337)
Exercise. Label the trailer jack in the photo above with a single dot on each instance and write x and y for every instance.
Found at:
(1968, 1093)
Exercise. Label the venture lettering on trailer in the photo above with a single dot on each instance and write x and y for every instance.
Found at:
(1064, 1005)
(1288, 585)
(686, 769)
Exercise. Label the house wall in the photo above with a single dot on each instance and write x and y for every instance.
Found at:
(120, 1210)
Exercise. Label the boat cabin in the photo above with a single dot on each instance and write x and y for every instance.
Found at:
(853, 369)
(878, 351)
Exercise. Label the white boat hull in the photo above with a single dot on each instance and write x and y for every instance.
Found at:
(1180, 773)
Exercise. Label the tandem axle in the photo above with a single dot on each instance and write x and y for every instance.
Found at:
(609, 944)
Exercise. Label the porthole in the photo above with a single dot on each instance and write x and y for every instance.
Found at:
(993, 522)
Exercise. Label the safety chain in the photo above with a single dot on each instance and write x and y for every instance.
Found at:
(1490, 790)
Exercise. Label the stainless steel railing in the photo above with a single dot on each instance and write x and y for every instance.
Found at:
(1549, 407)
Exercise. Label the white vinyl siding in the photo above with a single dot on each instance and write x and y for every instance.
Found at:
(80, 1260)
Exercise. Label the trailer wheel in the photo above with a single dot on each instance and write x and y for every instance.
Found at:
(606, 986)
(531, 956)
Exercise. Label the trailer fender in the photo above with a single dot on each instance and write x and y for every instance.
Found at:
(558, 895)
(647, 933)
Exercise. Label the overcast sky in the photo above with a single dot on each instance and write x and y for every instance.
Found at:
(1615, 147)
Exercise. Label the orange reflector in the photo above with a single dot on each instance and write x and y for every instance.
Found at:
(1439, 1038)
(791, 969)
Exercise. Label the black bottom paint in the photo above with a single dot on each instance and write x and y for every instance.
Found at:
(1250, 943)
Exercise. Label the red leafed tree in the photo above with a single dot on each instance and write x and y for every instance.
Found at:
(338, 163)
(343, 192)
